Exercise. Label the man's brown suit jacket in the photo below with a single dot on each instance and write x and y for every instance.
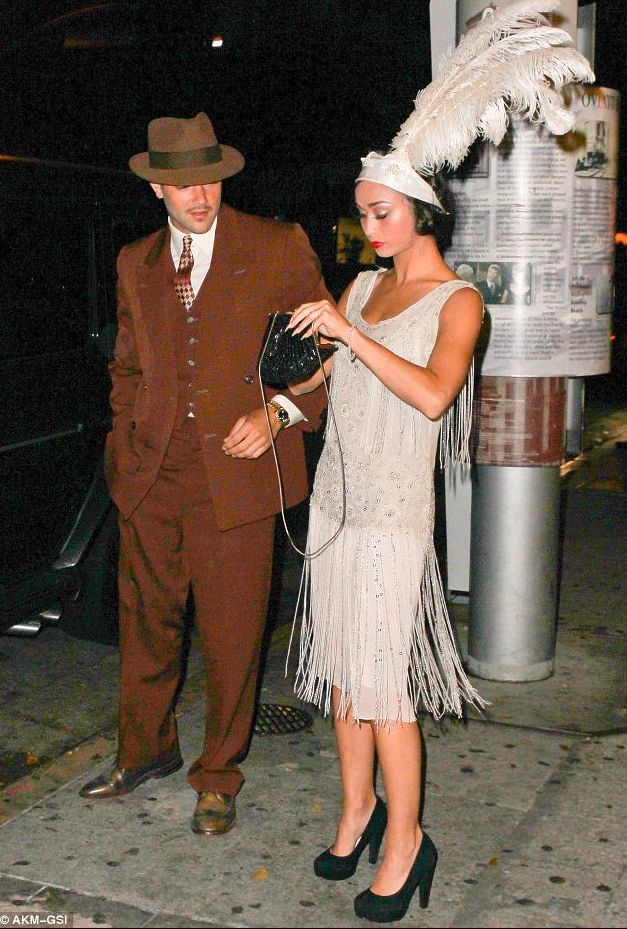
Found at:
(259, 266)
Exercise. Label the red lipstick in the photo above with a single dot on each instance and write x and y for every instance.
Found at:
(376, 245)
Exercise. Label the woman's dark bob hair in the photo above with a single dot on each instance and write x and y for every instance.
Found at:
(429, 219)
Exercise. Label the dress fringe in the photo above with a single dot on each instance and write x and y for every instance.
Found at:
(456, 427)
(437, 677)
(420, 666)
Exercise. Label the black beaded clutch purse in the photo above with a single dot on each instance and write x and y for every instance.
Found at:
(285, 358)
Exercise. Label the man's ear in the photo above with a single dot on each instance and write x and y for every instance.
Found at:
(157, 189)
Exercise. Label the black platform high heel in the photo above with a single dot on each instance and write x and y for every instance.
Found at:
(389, 908)
(339, 867)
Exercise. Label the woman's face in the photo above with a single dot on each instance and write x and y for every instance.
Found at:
(387, 218)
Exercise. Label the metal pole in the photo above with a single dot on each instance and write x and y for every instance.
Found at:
(514, 548)
(513, 569)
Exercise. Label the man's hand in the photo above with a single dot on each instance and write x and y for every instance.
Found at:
(249, 437)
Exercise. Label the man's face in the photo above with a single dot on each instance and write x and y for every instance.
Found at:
(492, 274)
(193, 208)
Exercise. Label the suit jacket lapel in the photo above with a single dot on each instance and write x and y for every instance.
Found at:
(224, 289)
(220, 284)
(156, 294)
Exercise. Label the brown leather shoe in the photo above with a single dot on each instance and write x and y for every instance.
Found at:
(121, 781)
(214, 813)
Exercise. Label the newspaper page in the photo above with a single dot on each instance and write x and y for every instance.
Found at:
(534, 232)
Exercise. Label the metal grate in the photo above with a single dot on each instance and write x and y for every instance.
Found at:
(275, 718)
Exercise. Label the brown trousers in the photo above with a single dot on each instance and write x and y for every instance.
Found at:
(170, 542)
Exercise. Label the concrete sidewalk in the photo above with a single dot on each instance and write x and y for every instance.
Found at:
(525, 805)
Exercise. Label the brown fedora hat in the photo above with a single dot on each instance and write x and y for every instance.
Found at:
(185, 151)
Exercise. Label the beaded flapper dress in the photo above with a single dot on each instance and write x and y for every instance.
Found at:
(374, 618)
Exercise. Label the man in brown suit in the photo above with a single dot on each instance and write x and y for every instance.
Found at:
(185, 459)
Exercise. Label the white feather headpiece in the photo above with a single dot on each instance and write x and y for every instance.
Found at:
(512, 61)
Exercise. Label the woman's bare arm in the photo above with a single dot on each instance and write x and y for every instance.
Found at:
(430, 388)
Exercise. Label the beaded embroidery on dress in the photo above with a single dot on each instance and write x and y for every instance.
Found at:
(374, 618)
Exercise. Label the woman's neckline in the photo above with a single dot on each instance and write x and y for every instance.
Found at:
(411, 306)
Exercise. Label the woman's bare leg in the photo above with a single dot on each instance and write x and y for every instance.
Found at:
(399, 752)
(355, 743)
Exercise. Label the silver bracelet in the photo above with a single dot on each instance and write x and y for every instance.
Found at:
(351, 353)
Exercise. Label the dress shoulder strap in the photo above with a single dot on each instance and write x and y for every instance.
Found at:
(360, 291)
(446, 290)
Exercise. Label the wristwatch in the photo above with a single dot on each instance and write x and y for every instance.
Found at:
(280, 414)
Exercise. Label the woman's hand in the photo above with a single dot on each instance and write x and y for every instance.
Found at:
(321, 317)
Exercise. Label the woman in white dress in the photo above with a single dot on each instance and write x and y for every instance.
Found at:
(376, 638)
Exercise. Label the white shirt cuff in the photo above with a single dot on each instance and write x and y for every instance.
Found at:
(295, 414)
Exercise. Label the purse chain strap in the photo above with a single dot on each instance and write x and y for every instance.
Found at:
(306, 554)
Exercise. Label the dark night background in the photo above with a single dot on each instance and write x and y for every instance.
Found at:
(302, 88)
(299, 84)
(295, 86)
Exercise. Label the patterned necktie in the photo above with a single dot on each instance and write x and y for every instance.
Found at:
(183, 277)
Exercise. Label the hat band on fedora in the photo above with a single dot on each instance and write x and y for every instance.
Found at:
(197, 158)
